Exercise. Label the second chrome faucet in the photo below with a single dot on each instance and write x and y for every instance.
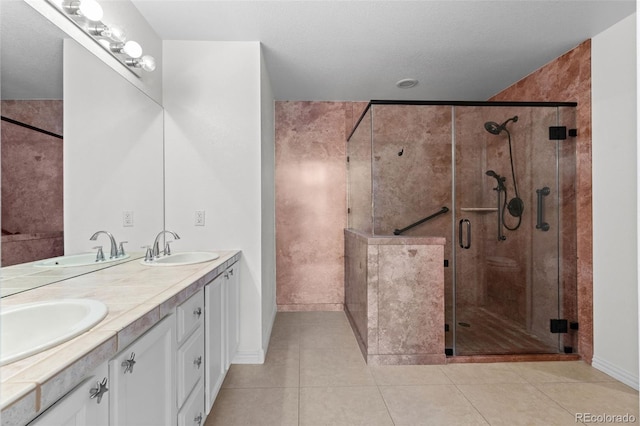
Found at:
(153, 252)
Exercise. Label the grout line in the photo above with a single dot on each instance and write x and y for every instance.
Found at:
(472, 404)
(385, 404)
(556, 402)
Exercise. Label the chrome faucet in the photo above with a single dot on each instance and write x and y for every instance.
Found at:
(114, 246)
(156, 246)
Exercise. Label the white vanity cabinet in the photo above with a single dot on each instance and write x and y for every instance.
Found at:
(143, 379)
(87, 404)
(170, 375)
(222, 329)
(191, 361)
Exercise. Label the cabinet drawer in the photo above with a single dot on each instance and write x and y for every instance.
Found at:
(192, 414)
(190, 364)
(190, 315)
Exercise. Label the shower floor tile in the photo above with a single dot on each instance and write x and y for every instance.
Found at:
(484, 333)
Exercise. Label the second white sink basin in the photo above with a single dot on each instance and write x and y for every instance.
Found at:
(31, 328)
(183, 258)
(83, 259)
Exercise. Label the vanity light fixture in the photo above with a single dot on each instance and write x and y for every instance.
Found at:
(147, 63)
(86, 14)
(89, 9)
(130, 48)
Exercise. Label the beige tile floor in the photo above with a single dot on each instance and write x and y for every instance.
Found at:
(314, 374)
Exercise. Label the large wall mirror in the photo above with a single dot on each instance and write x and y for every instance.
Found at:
(82, 148)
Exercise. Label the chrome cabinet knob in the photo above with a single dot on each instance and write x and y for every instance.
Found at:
(231, 271)
(197, 312)
(197, 362)
(198, 419)
(128, 364)
(99, 390)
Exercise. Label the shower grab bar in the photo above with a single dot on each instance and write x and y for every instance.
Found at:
(542, 225)
(468, 223)
(421, 221)
(501, 236)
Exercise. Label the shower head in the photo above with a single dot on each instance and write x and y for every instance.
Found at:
(495, 128)
(497, 177)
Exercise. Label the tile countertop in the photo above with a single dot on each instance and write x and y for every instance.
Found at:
(137, 296)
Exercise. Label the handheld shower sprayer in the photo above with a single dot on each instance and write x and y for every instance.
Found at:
(499, 178)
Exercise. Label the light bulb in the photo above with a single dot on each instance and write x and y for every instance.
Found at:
(115, 33)
(91, 10)
(132, 49)
(104, 43)
(148, 63)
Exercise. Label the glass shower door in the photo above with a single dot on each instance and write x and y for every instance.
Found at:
(506, 231)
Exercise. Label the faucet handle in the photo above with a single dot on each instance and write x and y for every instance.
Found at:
(167, 248)
(148, 257)
(100, 254)
(121, 248)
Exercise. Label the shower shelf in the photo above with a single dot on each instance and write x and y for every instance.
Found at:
(479, 209)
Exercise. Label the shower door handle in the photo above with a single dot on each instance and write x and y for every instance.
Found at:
(542, 225)
(463, 222)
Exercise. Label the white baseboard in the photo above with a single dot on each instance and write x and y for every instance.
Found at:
(257, 357)
(249, 357)
(266, 332)
(615, 372)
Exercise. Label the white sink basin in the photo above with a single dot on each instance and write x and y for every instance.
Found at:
(183, 258)
(84, 259)
(31, 328)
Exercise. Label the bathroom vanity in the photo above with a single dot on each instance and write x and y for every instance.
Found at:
(158, 357)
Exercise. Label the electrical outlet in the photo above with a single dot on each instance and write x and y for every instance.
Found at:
(199, 217)
(127, 218)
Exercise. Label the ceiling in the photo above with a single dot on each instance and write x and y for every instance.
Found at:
(358, 50)
(343, 49)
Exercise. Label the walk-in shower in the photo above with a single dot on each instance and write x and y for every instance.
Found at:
(497, 180)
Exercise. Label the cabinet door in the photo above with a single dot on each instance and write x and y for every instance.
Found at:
(143, 379)
(78, 408)
(192, 413)
(215, 347)
(233, 312)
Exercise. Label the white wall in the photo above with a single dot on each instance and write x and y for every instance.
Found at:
(615, 191)
(213, 154)
(268, 205)
(112, 156)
